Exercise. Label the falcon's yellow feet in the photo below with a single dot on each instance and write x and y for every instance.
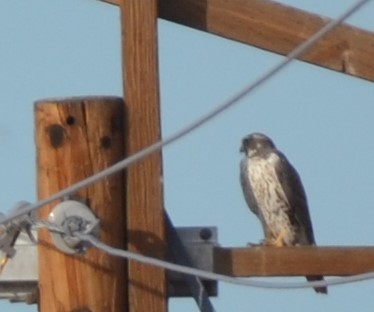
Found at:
(3, 262)
(254, 244)
(267, 242)
(274, 242)
(278, 241)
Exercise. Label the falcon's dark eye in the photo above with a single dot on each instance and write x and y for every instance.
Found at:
(246, 142)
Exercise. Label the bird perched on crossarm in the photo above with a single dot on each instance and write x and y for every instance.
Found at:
(274, 193)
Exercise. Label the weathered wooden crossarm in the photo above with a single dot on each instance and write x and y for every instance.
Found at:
(293, 261)
(277, 28)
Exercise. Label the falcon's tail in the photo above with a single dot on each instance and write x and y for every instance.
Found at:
(320, 290)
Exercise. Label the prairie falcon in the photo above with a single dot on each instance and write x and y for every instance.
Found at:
(274, 193)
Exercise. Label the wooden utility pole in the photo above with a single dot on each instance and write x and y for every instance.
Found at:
(75, 138)
(145, 217)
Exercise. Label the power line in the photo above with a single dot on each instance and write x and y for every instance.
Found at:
(215, 276)
(298, 51)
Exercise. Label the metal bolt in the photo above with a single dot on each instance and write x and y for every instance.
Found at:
(205, 234)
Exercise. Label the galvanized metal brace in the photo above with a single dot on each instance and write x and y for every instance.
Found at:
(201, 240)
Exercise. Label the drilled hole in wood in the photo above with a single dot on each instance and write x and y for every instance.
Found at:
(105, 142)
(70, 120)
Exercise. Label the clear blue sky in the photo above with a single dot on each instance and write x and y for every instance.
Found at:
(322, 120)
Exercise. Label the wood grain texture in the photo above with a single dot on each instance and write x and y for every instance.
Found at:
(277, 28)
(145, 218)
(294, 261)
(75, 138)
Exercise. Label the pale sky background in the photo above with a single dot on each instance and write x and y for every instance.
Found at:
(322, 121)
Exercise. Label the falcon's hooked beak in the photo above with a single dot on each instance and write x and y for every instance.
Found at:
(243, 149)
(243, 146)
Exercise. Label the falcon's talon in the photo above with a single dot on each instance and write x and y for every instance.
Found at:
(266, 243)
(254, 244)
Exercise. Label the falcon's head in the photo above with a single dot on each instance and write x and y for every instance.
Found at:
(256, 144)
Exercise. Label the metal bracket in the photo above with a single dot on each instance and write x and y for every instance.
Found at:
(19, 278)
(197, 249)
(203, 241)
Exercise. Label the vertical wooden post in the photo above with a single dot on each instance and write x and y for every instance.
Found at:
(145, 219)
(75, 138)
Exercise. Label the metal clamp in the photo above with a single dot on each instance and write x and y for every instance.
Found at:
(10, 231)
(72, 216)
